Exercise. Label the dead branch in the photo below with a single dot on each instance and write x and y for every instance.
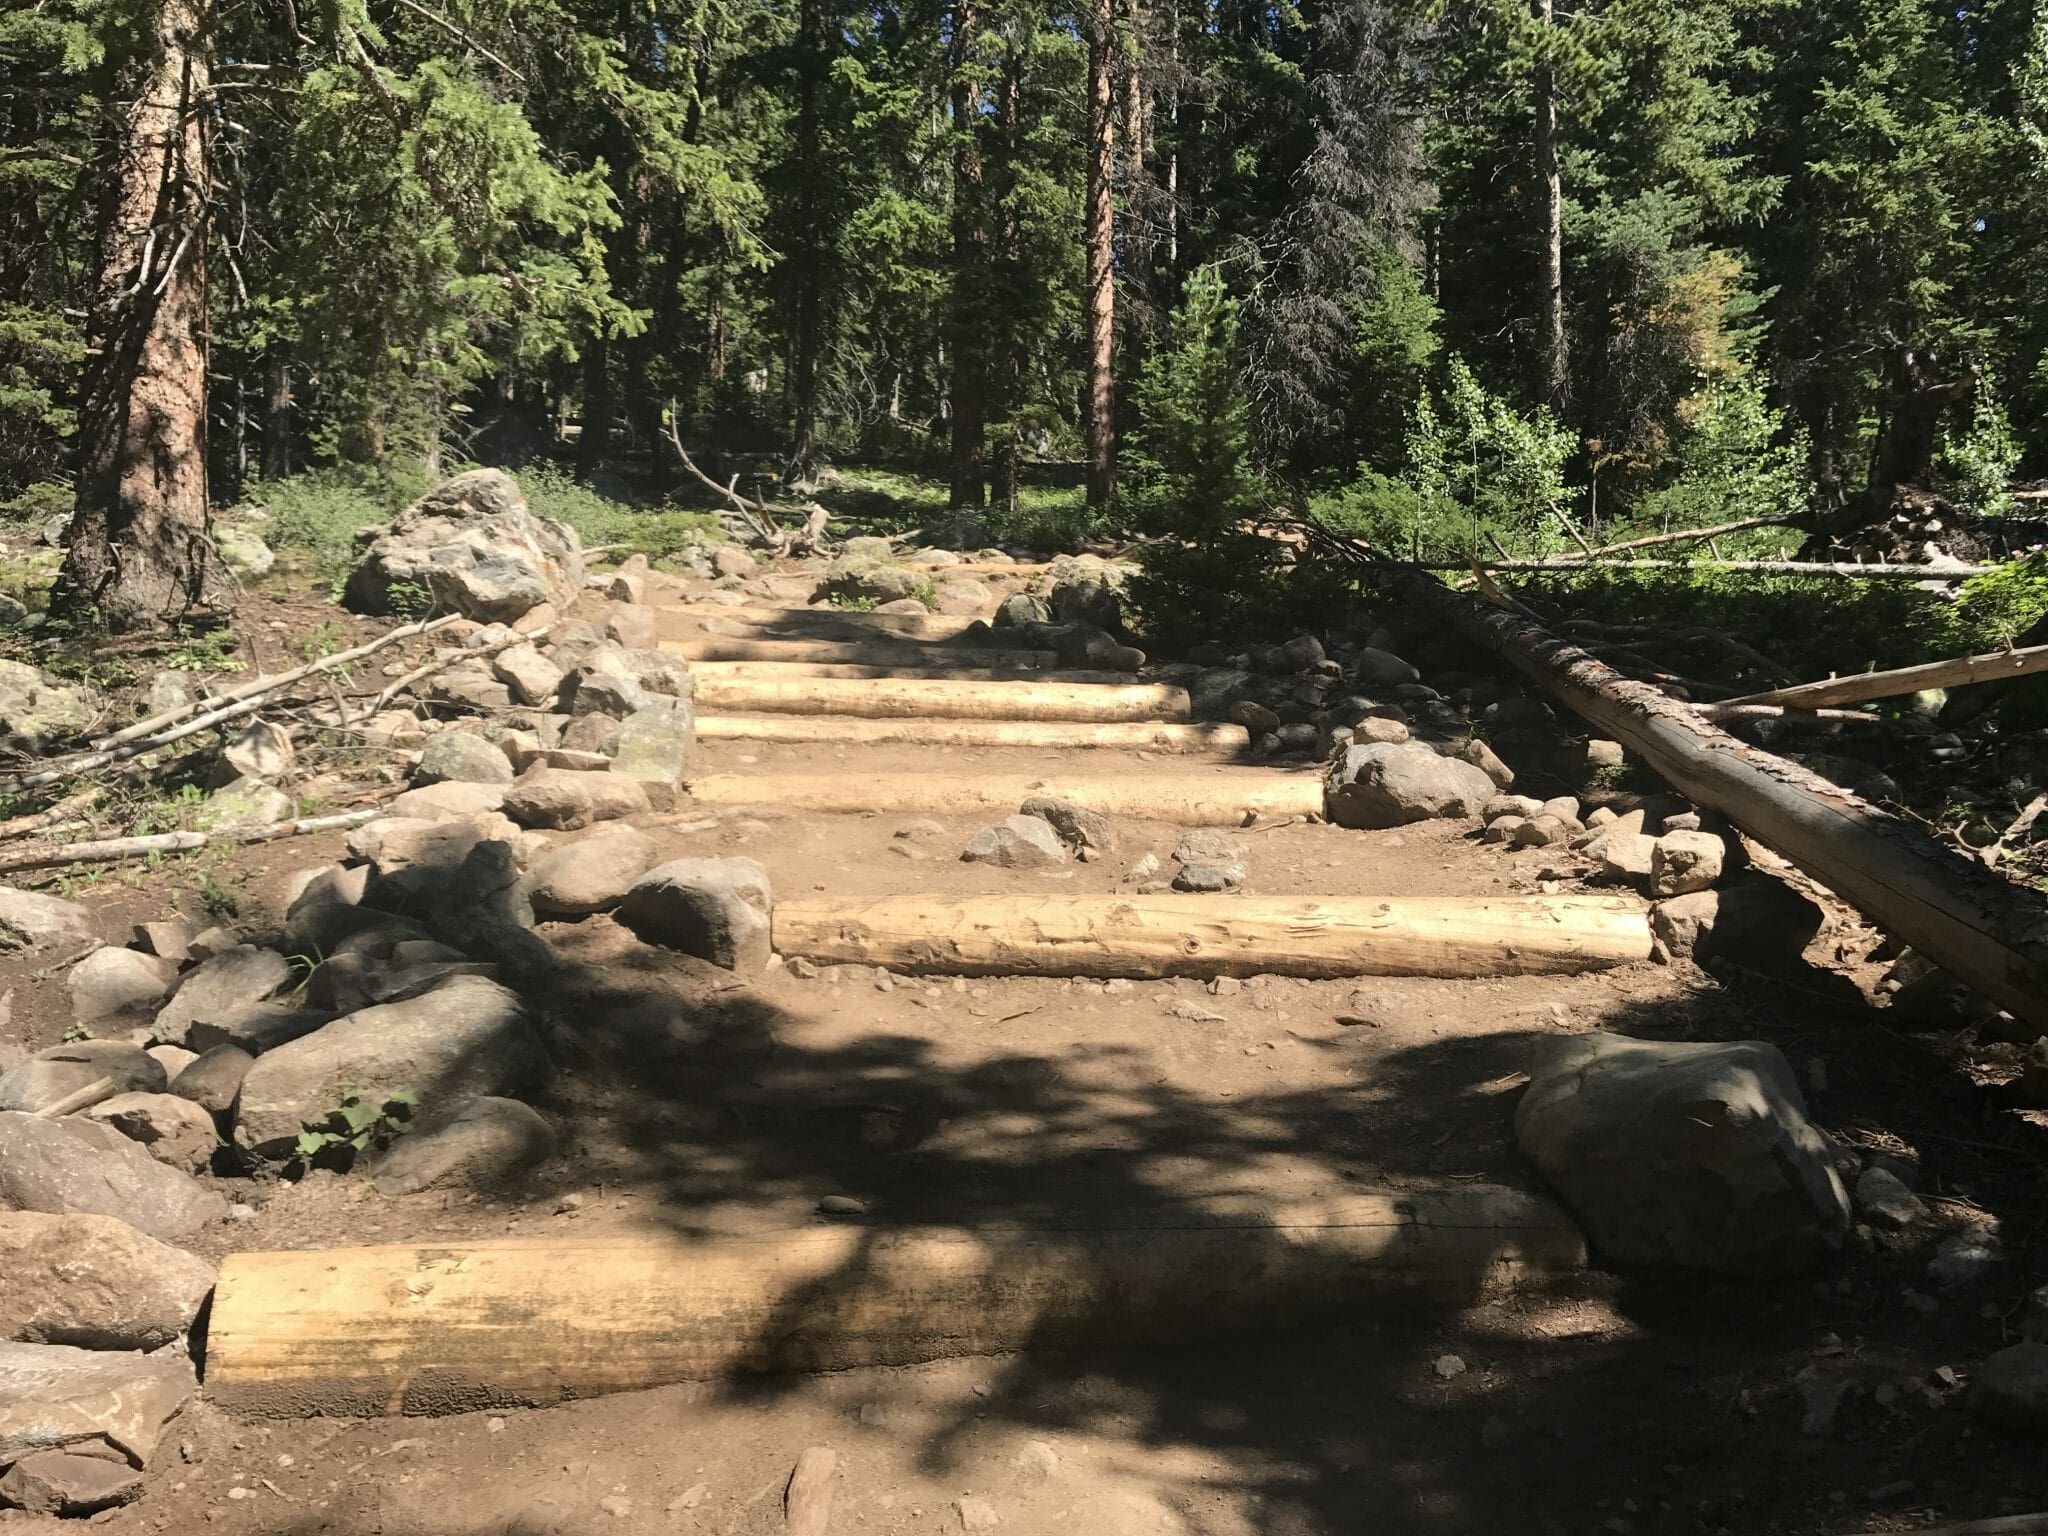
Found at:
(448, 659)
(759, 518)
(63, 811)
(112, 849)
(1745, 567)
(1990, 667)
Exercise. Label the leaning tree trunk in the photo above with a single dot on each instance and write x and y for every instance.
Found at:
(1550, 236)
(969, 388)
(140, 549)
(1098, 416)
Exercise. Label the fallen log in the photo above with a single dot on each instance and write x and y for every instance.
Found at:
(1228, 798)
(1984, 930)
(113, 849)
(848, 669)
(687, 620)
(1146, 937)
(1962, 671)
(455, 1327)
(945, 699)
(1230, 741)
(1562, 565)
(859, 652)
(1729, 711)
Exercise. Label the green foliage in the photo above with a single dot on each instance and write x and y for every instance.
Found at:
(1996, 608)
(1976, 466)
(1737, 458)
(209, 651)
(1397, 344)
(316, 514)
(1479, 466)
(358, 1124)
(601, 520)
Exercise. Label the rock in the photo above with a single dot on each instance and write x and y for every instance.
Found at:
(1076, 827)
(469, 545)
(260, 750)
(68, 1166)
(1518, 717)
(1369, 730)
(590, 875)
(409, 857)
(1144, 869)
(1602, 754)
(94, 1282)
(1017, 842)
(531, 677)
(219, 988)
(962, 597)
(37, 711)
(1382, 669)
(591, 733)
(2010, 1390)
(731, 560)
(244, 552)
(1757, 921)
(172, 1058)
(1086, 600)
(64, 1483)
(53, 1397)
(2034, 1074)
(462, 757)
(1884, 1201)
(490, 1139)
(1390, 785)
(1964, 1259)
(1694, 1155)
(1021, 608)
(469, 689)
(171, 1129)
(31, 920)
(1523, 806)
(1539, 832)
(1487, 761)
(655, 744)
(1208, 878)
(1683, 862)
(976, 1513)
(255, 1027)
(171, 938)
(1304, 653)
(633, 627)
(562, 799)
(1502, 829)
(244, 803)
(715, 909)
(110, 983)
(1254, 717)
(61, 1070)
(1625, 855)
(213, 1081)
(466, 1037)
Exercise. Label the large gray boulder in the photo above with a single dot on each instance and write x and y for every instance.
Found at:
(31, 920)
(1389, 784)
(490, 1139)
(61, 1070)
(100, 1401)
(37, 711)
(591, 875)
(470, 545)
(466, 1037)
(220, 988)
(715, 909)
(112, 983)
(68, 1166)
(1698, 1156)
(94, 1282)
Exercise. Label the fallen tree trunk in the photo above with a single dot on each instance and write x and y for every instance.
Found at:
(1982, 929)
(1230, 798)
(1731, 710)
(785, 670)
(1173, 935)
(947, 699)
(1187, 740)
(688, 620)
(1563, 565)
(451, 1328)
(857, 652)
(1991, 667)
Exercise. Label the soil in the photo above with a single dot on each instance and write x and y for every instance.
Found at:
(691, 1100)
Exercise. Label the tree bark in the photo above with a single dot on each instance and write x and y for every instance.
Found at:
(1007, 355)
(1556, 382)
(969, 390)
(140, 550)
(806, 342)
(593, 444)
(1098, 416)
(277, 413)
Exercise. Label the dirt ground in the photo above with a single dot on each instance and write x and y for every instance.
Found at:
(691, 1101)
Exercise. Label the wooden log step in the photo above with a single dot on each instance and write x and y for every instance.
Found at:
(1229, 741)
(858, 652)
(844, 669)
(456, 1327)
(948, 699)
(1227, 798)
(687, 620)
(1175, 935)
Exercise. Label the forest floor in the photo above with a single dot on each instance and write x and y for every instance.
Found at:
(692, 1101)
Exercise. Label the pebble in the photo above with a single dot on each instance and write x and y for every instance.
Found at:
(615, 1506)
(1447, 1366)
(841, 1205)
(1965, 1258)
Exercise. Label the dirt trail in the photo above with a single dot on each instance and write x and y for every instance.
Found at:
(695, 1102)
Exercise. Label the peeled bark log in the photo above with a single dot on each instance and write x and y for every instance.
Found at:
(872, 653)
(788, 670)
(1172, 935)
(945, 700)
(1991, 667)
(451, 1328)
(1227, 798)
(1228, 741)
(689, 621)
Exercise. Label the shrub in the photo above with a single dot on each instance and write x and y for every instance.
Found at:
(1975, 467)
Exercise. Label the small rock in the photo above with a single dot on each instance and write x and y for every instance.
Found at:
(242, 804)
(213, 1080)
(1447, 1367)
(1383, 669)
(64, 1483)
(171, 1128)
(1605, 754)
(715, 909)
(1683, 862)
(1488, 762)
(1523, 806)
(561, 799)
(1017, 842)
(841, 1205)
(1208, 878)
(1883, 1201)
(533, 679)
(260, 750)
(111, 984)
(977, 1514)
(1964, 1259)
(1076, 827)
(2010, 1390)
(1538, 832)
(1625, 855)
(489, 1140)
(1146, 868)
(462, 757)
(1254, 717)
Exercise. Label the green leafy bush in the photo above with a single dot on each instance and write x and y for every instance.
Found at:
(1735, 459)
(601, 520)
(357, 1124)
(1975, 468)
(1995, 609)
(316, 514)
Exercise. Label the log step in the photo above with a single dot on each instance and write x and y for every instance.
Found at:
(1227, 798)
(947, 699)
(456, 1327)
(1145, 937)
(686, 620)
(1223, 741)
(847, 669)
(858, 652)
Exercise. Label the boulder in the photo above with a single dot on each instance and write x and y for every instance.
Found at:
(328, 907)
(172, 1058)
(171, 1129)
(61, 1070)
(1382, 669)
(715, 909)
(462, 757)
(1624, 855)
(68, 1166)
(563, 799)
(53, 1397)
(593, 689)
(94, 1282)
(67, 1483)
(470, 545)
(2010, 1389)
(731, 560)
(591, 875)
(1698, 1156)
(213, 1080)
(37, 711)
(112, 983)
(1021, 608)
(1757, 921)
(1084, 599)
(962, 597)
(220, 987)
(244, 803)
(597, 734)
(1684, 862)
(243, 550)
(1304, 653)
(1076, 827)
(533, 679)
(1017, 842)
(1389, 784)
(171, 938)
(31, 920)
(489, 1139)
(655, 743)
(255, 1027)
(260, 750)
(469, 689)
(1253, 716)
(466, 1037)
(1883, 1200)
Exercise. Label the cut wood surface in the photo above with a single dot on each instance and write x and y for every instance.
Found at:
(685, 620)
(1986, 931)
(1176, 935)
(859, 652)
(948, 699)
(796, 669)
(1230, 741)
(456, 1327)
(1188, 799)
(1991, 667)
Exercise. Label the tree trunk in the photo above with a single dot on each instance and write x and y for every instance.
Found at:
(1550, 324)
(277, 414)
(969, 390)
(593, 444)
(140, 551)
(1007, 360)
(806, 343)
(1098, 416)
